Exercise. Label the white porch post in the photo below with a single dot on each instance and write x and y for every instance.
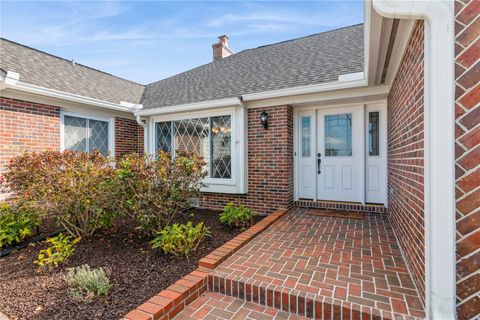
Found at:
(439, 147)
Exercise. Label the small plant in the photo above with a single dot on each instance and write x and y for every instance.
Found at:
(180, 239)
(236, 217)
(60, 250)
(16, 224)
(87, 283)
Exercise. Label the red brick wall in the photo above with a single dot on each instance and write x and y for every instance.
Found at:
(128, 137)
(36, 127)
(467, 49)
(27, 126)
(270, 164)
(406, 156)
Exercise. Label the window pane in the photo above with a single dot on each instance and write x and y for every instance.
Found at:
(191, 135)
(338, 135)
(306, 136)
(373, 133)
(75, 133)
(221, 147)
(98, 136)
(163, 133)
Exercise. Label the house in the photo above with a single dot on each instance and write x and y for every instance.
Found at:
(359, 118)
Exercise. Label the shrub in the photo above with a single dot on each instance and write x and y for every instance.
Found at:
(87, 283)
(180, 239)
(16, 224)
(155, 190)
(237, 217)
(75, 188)
(60, 250)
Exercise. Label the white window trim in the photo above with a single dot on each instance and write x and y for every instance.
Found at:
(111, 128)
(237, 184)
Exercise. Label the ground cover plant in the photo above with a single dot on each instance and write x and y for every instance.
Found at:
(236, 216)
(180, 239)
(16, 224)
(60, 249)
(87, 284)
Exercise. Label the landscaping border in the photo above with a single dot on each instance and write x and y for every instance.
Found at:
(169, 302)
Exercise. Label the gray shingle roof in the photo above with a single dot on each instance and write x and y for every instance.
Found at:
(45, 70)
(309, 60)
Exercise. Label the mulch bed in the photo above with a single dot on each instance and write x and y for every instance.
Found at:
(337, 214)
(136, 273)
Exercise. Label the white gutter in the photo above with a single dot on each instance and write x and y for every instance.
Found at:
(204, 105)
(12, 81)
(439, 147)
(344, 81)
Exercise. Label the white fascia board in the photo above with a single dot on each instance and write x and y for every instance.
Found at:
(440, 264)
(196, 106)
(12, 82)
(308, 89)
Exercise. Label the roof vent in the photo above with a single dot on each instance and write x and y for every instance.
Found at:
(221, 49)
(73, 62)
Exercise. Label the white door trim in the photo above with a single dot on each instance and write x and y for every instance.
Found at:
(296, 138)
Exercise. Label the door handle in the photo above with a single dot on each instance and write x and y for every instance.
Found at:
(319, 162)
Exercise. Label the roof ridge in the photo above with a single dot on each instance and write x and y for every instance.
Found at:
(70, 61)
(307, 36)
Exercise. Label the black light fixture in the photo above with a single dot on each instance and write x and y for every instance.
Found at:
(264, 119)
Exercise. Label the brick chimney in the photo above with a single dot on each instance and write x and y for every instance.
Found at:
(221, 49)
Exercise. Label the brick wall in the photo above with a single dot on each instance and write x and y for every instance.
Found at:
(36, 127)
(128, 136)
(405, 157)
(27, 126)
(467, 129)
(270, 164)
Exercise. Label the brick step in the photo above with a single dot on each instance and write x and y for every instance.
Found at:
(296, 302)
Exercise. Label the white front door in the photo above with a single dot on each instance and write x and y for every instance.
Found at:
(340, 154)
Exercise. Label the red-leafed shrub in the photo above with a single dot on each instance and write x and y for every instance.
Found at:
(75, 188)
(155, 190)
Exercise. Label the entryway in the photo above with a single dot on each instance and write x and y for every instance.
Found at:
(341, 154)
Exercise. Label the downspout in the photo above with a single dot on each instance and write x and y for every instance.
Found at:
(439, 147)
(145, 133)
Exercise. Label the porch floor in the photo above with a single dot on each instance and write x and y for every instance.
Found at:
(323, 267)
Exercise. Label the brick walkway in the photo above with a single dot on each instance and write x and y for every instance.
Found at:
(212, 306)
(312, 266)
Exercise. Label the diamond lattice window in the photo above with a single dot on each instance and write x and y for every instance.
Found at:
(85, 135)
(221, 142)
(208, 137)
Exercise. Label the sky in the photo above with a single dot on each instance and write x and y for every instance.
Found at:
(146, 41)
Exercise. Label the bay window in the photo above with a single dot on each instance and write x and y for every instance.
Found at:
(218, 137)
(209, 138)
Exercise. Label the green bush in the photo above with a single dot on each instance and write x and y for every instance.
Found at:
(236, 217)
(180, 239)
(16, 224)
(75, 188)
(87, 283)
(60, 250)
(155, 190)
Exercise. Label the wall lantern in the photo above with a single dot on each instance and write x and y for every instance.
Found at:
(264, 119)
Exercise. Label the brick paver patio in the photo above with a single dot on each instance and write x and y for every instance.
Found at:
(214, 306)
(323, 267)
